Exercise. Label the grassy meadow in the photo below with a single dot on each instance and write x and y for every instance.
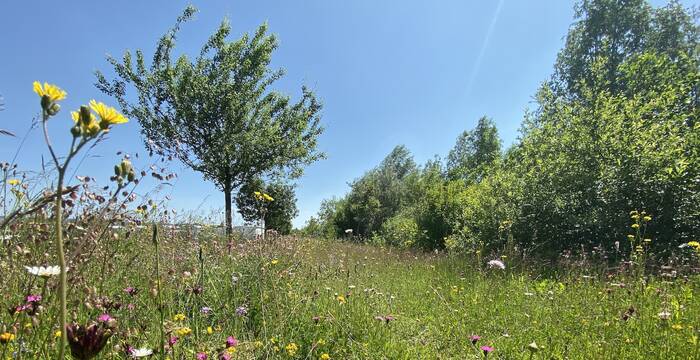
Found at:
(294, 298)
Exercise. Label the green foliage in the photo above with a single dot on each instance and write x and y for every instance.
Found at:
(474, 152)
(216, 112)
(401, 230)
(277, 214)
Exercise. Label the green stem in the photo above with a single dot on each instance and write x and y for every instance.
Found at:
(58, 214)
(159, 297)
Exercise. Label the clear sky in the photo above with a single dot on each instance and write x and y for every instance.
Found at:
(388, 72)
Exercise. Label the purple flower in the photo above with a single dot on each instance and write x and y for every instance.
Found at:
(241, 311)
(202, 356)
(130, 290)
(105, 318)
(172, 340)
(474, 339)
(33, 298)
(225, 356)
(486, 350)
(231, 342)
(205, 310)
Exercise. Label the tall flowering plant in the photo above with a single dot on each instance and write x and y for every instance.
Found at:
(90, 123)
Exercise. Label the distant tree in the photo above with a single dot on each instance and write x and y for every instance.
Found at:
(474, 151)
(277, 214)
(216, 113)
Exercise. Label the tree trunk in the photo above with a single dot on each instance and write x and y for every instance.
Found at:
(229, 226)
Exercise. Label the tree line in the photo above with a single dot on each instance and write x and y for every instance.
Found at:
(615, 129)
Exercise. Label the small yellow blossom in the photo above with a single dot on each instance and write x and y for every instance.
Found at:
(6, 337)
(677, 327)
(108, 115)
(341, 299)
(210, 330)
(292, 349)
(53, 92)
(635, 226)
(325, 356)
(179, 317)
(231, 350)
(258, 344)
(14, 182)
(647, 218)
(57, 334)
(274, 262)
(183, 331)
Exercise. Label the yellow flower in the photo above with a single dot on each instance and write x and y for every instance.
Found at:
(268, 197)
(179, 317)
(258, 344)
(677, 327)
(321, 342)
(341, 299)
(183, 331)
(630, 236)
(694, 244)
(635, 226)
(87, 127)
(325, 356)
(210, 330)
(231, 350)
(108, 115)
(57, 334)
(6, 337)
(53, 92)
(647, 218)
(14, 182)
(291, 349)
(274, 262)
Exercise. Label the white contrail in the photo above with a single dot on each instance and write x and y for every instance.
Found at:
(484, 45)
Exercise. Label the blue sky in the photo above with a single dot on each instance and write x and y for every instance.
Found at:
(388, 72)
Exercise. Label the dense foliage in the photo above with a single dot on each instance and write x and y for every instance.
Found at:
(217, 113)
(276, 214)
(615, 129)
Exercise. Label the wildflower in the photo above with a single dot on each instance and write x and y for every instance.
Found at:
(241, 311)
(630, 236)
(635, 226)
(172, 341)
(49, 94)
(108, 115)
(139, 353)
(179, 317)
(130, 290)
(258, 344)
(42, 271)
(486, 350)
(474, 339)
(183, 331)
(105, 318)
(205, 310)
(694, 244)
(533, 347)
(6, 337)
(57, 334)
(231, 342)
(274, 262)
(677, 327)
(210, 330)
(496, 264)
(325, 356)
(33, 298)
(13, 182)
(664, 315)
(341, 299)
(86, 342)
(202, 356)
(292, 349)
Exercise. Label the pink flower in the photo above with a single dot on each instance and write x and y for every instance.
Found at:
(231, 342)
(486, 350)
(172, 341)
(474, 339)
(104, 318)
(33, 298)
(201, 356)
(130, 290)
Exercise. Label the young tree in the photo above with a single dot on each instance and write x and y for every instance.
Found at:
(216, 113)
(277, 214)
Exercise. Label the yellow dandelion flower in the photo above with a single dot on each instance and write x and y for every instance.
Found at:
(53, 92)
(274, 262)
(14, 182)
(183, 331)
(210, 330)
(6, 337)
(341, 299)
(292, 349)
(179, 317)
(694, 244)
(108, 115)
(635, 226)
(647, 218)
(325, 356)
(57, 334)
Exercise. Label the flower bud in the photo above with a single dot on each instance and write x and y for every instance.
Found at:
(54, 109)
(131, 176)
(75, 130)
(117, 170)
(85, 115)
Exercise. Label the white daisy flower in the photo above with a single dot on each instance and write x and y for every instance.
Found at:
(496, 264)
(43, 271)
